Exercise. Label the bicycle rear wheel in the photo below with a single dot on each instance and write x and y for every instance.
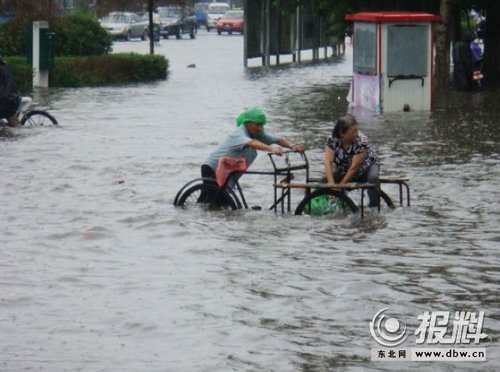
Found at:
(326, 202)
(38, 118)
(207, 197)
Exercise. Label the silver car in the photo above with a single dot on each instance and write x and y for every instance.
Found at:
(125, 25)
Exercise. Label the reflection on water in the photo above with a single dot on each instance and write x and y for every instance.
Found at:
(99, 269)
(469, 122)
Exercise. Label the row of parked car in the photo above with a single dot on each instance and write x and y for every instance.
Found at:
(168, 21)
(173, 21)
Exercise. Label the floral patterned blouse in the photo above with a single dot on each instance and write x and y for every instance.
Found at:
(343, 157)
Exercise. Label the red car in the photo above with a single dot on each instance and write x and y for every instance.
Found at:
(231, 22)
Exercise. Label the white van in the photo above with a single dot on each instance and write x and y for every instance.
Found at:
(215, 12)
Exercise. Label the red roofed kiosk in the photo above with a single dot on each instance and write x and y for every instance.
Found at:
(393, 60)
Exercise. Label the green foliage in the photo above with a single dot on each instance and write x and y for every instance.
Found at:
(335, 11)
(14, 37)
(113, 69)
(22, 73)
(77, 34)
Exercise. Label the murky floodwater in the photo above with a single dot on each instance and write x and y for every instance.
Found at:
(100, 272)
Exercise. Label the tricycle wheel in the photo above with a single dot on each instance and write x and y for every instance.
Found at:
(355, 196)
(326, 202)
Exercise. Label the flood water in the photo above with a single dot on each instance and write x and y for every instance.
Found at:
(99, 271)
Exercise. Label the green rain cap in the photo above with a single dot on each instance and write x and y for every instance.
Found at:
(252, 115)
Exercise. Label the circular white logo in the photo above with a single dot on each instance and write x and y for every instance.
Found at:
(387, 332)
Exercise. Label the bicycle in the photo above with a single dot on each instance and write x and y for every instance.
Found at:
(32, 117)
(205, 193)
(224, 197)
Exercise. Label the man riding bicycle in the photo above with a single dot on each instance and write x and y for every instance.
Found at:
(9, 99)
(245, 141)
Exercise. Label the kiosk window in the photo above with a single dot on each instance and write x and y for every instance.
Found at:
(365, 46)
(407, 50)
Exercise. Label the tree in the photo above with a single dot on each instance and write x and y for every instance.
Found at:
(43, 8)
(442, 38)
(492, 40)
(448, 31)
(103, 7)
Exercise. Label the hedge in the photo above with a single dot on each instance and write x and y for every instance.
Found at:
(22, 73)
(76, 34)
(82, 50)
(113, 69)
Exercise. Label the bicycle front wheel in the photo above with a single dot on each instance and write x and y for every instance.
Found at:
(38, 118)
(207, 197)
(326, 202)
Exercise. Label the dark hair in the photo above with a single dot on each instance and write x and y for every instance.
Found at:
(343, 124)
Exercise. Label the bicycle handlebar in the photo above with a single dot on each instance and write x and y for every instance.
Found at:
(288, 166)
(278, 171)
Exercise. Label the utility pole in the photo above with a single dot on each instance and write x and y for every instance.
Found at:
(267, 33)
(151, 27)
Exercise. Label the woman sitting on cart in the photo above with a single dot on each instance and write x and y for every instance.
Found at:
(245, 141)
(350, 158)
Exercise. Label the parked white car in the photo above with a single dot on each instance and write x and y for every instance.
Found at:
(214, 14)
(125, 25)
